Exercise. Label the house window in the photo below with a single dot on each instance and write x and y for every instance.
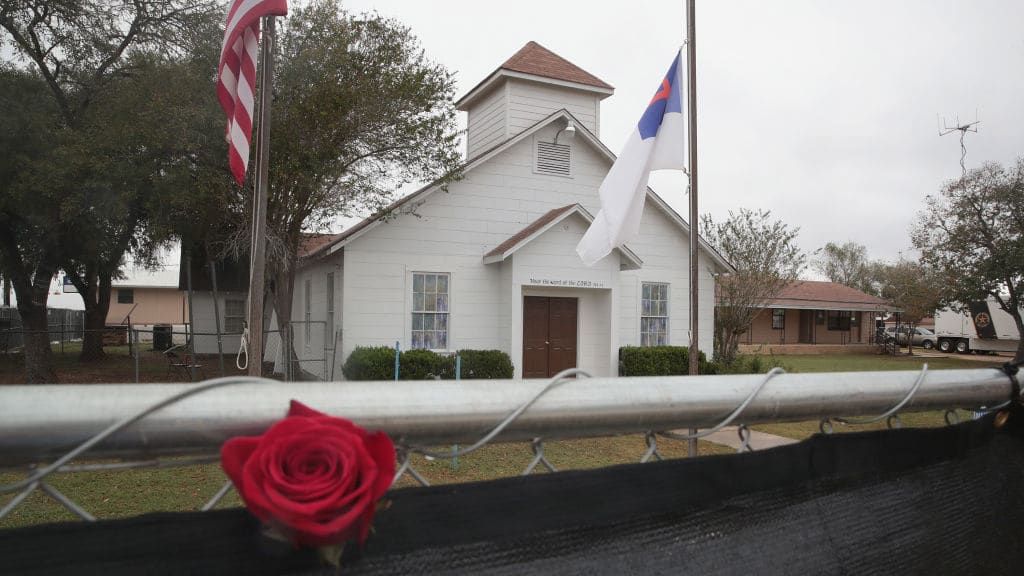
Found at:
(778, 319)
(838, 320)
(308, 312)
(329, 329)
(125, 296)
(654, 315)
(430, 311)
(234, 316)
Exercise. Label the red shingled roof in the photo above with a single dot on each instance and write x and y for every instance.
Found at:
(826, 296)
(539, 61)
(311, 242)
(529, 230)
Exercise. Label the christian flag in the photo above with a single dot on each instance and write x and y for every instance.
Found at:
(236, 81)
(658, 143)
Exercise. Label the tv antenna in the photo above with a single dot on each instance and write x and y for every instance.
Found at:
(963, 129)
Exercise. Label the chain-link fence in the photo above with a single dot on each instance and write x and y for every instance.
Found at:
(63, 326)
(164, 353)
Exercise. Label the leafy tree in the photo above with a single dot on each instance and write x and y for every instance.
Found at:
(29, 208)
(358, 112)
(89, 57)
(913, 287)
(766, 258)
(972, 233)
(846, 264)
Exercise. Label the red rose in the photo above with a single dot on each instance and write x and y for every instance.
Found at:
(314, 477)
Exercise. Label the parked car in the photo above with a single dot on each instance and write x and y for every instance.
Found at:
(922, 337)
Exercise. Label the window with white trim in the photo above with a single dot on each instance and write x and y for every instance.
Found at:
(654, 314)
(430, 310)
(234, 315)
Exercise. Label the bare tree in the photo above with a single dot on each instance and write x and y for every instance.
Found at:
(766, 258)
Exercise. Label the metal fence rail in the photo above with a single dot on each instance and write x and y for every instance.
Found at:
(43, 421)
(143, 423)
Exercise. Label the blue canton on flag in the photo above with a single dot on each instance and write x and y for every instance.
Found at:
(668, 98)
(658, 143)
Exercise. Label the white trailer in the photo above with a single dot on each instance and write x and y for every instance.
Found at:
(983, 327)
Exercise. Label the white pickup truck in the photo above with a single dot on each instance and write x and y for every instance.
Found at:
(984, 327)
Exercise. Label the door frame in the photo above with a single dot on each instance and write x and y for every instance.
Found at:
(522, 325)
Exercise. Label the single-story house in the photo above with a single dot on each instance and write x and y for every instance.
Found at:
(492, 263)
(813, 312)
(146, 298)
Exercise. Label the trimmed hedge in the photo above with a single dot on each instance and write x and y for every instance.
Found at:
(485, 364)
(365, 363)
(660, 361)
(378, 363)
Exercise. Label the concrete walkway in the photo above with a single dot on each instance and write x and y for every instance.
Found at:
(729, 436)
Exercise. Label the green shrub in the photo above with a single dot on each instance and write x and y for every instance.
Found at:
(485, 364)
(660, 361)
(378, 363)
(366, 363)
(417, 365)
(753, 364)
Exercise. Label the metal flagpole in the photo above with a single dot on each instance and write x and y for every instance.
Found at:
(691, 109)
(259, 222)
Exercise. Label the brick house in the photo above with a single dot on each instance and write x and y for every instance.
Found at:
(817, 313)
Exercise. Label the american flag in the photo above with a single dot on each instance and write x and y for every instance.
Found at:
(237, 74)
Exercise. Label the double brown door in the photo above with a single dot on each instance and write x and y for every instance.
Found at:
(549, 335)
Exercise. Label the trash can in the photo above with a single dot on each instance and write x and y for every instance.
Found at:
(162, 336)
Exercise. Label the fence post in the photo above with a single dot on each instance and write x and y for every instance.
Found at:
(135, 336)
(397, 352)
(458, 378)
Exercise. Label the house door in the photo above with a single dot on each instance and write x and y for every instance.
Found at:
(807, 326)
(549, 335)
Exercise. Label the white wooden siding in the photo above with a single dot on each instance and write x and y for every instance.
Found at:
(205, 322)
(487, 122)
(452, 231)
(530, 102)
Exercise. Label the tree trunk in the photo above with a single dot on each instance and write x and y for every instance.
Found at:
(95, 291)
(1019, 356)
(32, 296)
(283, 288)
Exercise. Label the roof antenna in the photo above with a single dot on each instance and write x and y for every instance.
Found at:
(963, 129)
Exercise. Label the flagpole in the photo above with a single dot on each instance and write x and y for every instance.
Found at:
(257, 261)
(691, 109)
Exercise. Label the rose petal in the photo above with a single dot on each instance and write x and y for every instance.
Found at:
(234, 454)
(382, 451)
(296, 408)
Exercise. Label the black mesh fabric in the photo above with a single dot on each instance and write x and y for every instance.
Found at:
(912, 501)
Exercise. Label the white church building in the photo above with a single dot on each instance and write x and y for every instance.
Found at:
(492, 263)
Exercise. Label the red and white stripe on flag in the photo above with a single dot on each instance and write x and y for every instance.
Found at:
(236, 84)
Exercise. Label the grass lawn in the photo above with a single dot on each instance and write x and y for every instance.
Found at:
(865, 362)
(128, 493)
(117, 367)
(860, 363)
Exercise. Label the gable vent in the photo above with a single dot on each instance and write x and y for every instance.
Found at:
(553, 159)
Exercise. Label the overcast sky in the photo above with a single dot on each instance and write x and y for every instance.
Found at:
(823, 112)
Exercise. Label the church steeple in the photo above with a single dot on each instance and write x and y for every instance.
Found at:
(529, 86)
